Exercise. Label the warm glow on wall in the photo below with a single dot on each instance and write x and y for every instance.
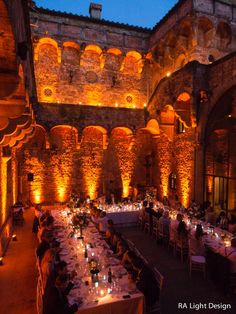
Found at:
(122, 138)
(4, 187)
(91, 153)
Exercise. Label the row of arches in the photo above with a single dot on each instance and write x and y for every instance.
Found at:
(101, 55)
(194, 38)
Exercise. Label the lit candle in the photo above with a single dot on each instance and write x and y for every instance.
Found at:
(92, 254)
(14, 237)
(104, 277)
(1, 261)
(102, 293)
(109, 290)
(96, 284)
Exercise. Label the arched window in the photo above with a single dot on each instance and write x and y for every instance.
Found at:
(172, 181)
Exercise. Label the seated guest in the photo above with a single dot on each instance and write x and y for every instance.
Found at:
(182, 234)
(54, 299)
(222, 220)
(146, 283)
(116, 238)
(230, 253)
(121, 249)
(165, 221)
(102, 222)
(196, 242)
(127, 259)
(36, 221)
(210, 216)
(46, 227)
(44, 245)
(47, 264)
(159, 213)
(232, 224)
(110, 231)
(174, 225)
(59, 269)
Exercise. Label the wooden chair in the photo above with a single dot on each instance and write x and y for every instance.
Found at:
(162, 236)
(155, 227)
(172, 239)
(196, 262)
(147, 225)
(39, 296)
(181, 246)
(160, 281)
(130, 244)
(141, 220)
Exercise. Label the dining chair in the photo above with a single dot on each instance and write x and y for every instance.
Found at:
(160, 281)
(141, 220)
(39, 296)
(130, 244)
(161, 235)
(147, 225)
(155, 227)
(196, 262)
(181, 246)
(172, 239)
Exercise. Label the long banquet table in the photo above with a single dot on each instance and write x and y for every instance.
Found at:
(101, 297)
(122, 214)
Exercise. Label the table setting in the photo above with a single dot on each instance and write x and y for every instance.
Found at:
(101, 282)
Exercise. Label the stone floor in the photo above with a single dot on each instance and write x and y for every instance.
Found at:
(18, 273)
(178, 287)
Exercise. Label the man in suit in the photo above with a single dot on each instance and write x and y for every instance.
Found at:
(54, 299)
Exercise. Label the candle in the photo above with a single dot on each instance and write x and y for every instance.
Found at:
(96, 284)
(92, 254)
(104, 277)
(14, 237)
(102, 293)
(1, 261)
(109, 290)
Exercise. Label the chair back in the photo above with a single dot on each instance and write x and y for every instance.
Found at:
(159, 278)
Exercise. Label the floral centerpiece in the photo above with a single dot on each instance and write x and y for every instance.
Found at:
(80, 221)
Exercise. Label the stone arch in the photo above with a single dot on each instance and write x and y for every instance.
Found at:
(114, 51)
(135, 54)
(220, 155)
(170, 45)
(153, 127)
(180, 61)
(183, 108)
(223, 35)
(94, 48)
(63, 137)
(130, 62)
(71, 44)
(167, 121)
(185, 34)
(47, 41)
(206, 32)
(38, 141)
(91, 56)
(126, 130)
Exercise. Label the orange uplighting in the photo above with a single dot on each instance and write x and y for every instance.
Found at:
(125, 156)
(4, 187)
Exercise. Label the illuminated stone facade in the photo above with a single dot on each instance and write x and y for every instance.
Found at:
(118, 107)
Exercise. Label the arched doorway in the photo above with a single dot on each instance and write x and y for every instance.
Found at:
(220, 154)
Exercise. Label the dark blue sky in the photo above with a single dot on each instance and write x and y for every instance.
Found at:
(145, 13)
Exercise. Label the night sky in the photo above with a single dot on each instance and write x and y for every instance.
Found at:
(145, 13)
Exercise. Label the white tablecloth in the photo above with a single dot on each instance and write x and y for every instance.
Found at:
(124, 218)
